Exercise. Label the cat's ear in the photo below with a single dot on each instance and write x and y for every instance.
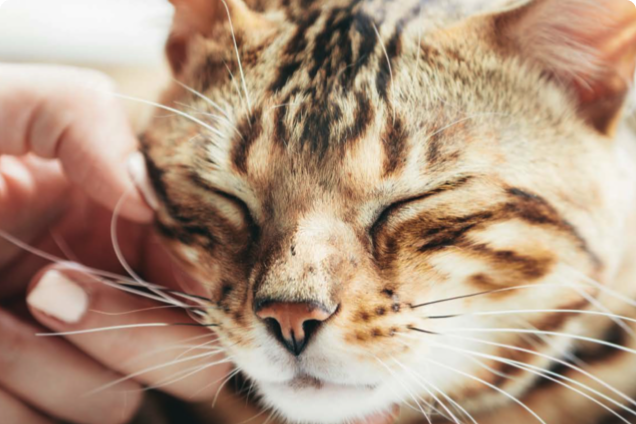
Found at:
(206, 18)
(589, 45)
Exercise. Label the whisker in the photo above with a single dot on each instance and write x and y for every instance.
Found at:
(419, 330)
(597, 304)
(182, 375)
(482, 293)
(492, 386)
(454, 403)
(92, 272)
(388, 61)
(218, 392)
(551, 358)
(207, 100)
(423, 385)
(166, 108)
(147, 370)
(542, 373)
(123, 327)
(547, 333)
(171, 347)
(63, 246)
(238, 57)
(200, 346)
(255, 416)
(532, 311)
(601, 287)
(33, 250)
(135, 311)
(410, 393)
(120, 256)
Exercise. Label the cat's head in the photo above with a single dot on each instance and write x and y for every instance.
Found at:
(342, 177)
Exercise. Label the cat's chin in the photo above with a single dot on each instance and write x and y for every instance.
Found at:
(309, 400)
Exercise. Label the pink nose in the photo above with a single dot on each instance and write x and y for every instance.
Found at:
(293, 324)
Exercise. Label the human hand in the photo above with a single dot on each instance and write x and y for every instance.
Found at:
(64, 143)
(63, 150)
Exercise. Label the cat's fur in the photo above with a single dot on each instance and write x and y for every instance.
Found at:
(372, 156)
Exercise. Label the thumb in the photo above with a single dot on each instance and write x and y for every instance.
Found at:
(52, 112)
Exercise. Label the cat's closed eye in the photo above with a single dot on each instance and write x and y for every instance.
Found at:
(398, 199)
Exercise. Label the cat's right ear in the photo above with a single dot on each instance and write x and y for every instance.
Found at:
(588, 46)
(207, 19)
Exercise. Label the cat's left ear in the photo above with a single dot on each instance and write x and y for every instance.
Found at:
(588, 45)
(207, 19)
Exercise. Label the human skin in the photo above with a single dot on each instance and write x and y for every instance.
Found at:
(64, 145)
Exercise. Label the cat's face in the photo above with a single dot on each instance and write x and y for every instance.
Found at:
(361, 174)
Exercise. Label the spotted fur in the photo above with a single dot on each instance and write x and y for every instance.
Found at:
(378, 157)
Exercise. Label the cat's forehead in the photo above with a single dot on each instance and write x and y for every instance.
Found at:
(356, 101)
(342, 93)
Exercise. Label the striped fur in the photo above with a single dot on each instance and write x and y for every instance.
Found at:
(379, 156)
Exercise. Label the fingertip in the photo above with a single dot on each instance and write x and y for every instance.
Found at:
(57, 295)
(138, 172)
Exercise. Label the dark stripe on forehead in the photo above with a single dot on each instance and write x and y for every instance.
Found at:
(394, 141)
(249, 130)
(363, 116)
(293, 58)
(383, 78)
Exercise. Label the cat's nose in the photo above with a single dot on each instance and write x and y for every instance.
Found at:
(292, 324)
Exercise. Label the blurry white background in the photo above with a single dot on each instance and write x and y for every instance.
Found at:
(107, 32)
(123, 38)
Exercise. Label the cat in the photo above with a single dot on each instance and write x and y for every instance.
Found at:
(415, 202)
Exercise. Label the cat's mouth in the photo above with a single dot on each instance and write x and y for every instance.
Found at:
(307, 382)
(307, 398)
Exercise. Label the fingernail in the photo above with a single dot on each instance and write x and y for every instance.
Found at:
(139, 174)
(59, 297)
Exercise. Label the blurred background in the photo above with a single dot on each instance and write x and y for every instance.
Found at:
(123, 38)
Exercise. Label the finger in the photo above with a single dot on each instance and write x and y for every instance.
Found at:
(71, 114)
(182, 360)
(33, 194)
(54, 377)
(14, 411)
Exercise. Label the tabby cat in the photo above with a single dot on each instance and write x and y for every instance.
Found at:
(418, 202)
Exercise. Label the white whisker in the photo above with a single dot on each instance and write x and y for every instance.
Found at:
(218, 392)
(388, 61)
(551, 358)
(542, 373)
(238, 57)
(169, 109)
(492, 386)
(122, 259)
(537, 311)
(135, 311)
(206, 99)
(63, 246)
(410, 393)
(422, 384)
(102, 329)
(147, 370)
(547, 333)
